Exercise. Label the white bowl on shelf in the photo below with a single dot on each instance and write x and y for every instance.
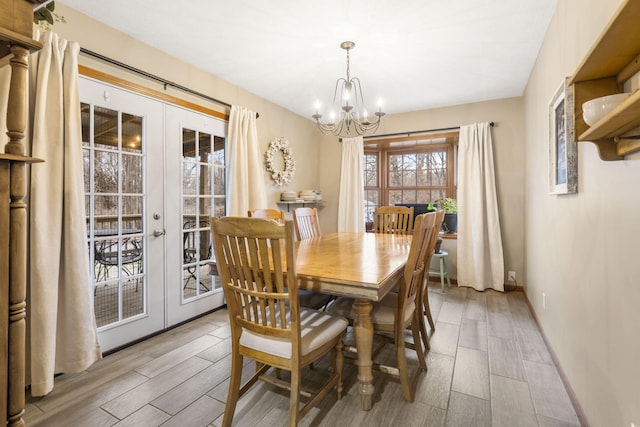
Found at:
(596, 109)
(287, 196)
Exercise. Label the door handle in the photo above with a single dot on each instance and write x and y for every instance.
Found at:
(158, 233)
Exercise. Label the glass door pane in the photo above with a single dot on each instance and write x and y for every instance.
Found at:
(113, 165)
(192, 188)
(198, 180)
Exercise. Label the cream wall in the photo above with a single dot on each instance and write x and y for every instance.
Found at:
(582, 250)
(274, 121)
(508, 145)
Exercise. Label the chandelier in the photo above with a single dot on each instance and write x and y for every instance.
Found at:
(352, 117)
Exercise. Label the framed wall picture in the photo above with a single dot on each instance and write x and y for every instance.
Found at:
(563, 152)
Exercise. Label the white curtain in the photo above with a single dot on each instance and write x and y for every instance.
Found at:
(245, 166)
(480, 257)
(63, 336)
(351, 197)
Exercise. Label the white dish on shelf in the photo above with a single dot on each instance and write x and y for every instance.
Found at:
(594, 110)
(287, 196)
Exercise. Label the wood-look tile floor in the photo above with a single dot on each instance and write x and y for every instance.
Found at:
(488, 366)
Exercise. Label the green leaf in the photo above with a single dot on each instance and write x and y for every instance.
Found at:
(51, 6)
(47, 15)
(38, 16)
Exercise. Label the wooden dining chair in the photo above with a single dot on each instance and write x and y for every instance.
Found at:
(307, 226)
(274, 214)
(306, 223)
(399, 311)
(256, 260)
(424, 294)
(393, 219)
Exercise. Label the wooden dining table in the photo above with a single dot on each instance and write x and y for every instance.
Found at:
(363, 266)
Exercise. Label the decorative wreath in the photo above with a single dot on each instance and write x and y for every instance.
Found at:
(280, 177)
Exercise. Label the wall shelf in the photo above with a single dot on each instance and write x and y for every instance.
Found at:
(302, 203)
(8, 38)
(613, 59)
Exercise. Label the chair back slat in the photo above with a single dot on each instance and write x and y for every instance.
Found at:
(439, 214)
(306, 223)
(432, 237)
(256, 262)
(393, 219)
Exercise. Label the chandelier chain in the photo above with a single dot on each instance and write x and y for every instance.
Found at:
(348, 69)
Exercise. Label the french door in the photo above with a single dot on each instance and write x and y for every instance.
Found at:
(196, 173)
(154, 174)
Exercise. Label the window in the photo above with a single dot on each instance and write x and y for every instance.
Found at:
(408, 170)
(371, 186)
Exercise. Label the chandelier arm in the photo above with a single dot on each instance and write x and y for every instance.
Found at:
(335, 91)
(358, 90)
(326, 129)
(347, 126)
(340, 128)
(370, 127)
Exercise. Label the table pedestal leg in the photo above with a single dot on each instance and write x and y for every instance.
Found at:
(363, 329)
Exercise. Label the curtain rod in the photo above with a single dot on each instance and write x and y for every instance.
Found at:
(165, 82)
(492, 124)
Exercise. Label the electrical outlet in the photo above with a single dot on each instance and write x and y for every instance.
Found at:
(544, 301)
(511, 276)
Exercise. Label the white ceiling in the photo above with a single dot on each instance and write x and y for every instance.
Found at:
(411, 54)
